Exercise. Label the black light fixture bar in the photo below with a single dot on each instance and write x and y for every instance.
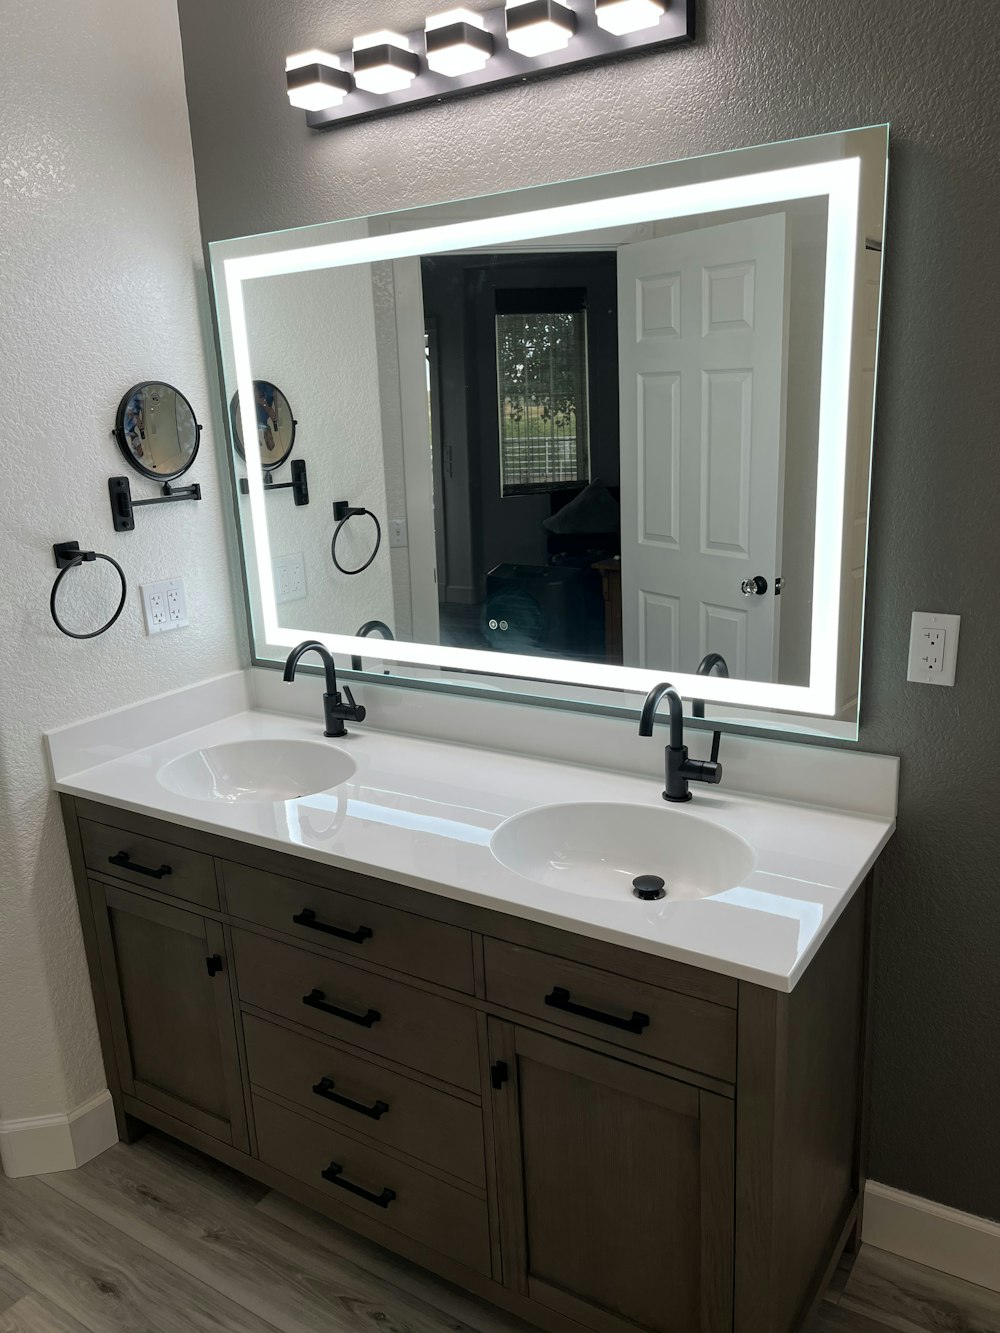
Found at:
(299, 484)
(591, 44)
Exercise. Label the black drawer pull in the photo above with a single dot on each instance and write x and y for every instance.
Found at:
(316, 999)
(307, 917)
(559, 999)
(334, 1173)
(325, 1088)
(125, 861)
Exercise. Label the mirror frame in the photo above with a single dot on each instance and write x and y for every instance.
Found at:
(119, 433)
(525, 216)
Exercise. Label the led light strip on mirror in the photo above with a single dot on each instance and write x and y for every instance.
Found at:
(461, 51)
(838, 183)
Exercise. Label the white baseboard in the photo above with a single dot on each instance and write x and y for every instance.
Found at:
(42, 1143)
(929, 1233)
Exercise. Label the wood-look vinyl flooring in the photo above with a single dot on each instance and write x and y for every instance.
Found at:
(156, 1238)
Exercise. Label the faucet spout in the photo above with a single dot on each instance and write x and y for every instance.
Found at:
(680, 770)
(335, 711)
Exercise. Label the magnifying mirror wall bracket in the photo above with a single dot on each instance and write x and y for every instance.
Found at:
(122, 503)
(299, 484)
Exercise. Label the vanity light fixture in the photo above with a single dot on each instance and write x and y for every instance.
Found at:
(539, 27)
(384, 63)
(316, 80)
(457, 43)
(464, 50)
(625, 16)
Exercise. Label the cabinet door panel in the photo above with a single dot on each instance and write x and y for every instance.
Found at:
(175, 1040)
(624, 1216)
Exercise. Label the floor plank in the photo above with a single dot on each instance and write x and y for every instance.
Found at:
(909, 1298)
(102, 1277)
(32, 1314)
(205, 1223)
(157, 1238)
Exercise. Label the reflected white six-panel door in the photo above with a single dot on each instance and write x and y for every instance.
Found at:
(702, 349)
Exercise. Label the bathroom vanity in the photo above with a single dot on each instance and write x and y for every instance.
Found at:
(591, 1135)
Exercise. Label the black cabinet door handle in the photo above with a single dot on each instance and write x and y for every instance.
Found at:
(125, 861)
(316, 999)
(334, 1173)
(307, 917)
(499, 1074)
(325, 1088)
(214, 964)
(559, 999)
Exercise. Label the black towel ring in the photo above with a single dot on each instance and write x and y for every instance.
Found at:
(345, 512)
(69, 556)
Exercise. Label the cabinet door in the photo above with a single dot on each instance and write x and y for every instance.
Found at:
(616, 1188)
(171, 1010)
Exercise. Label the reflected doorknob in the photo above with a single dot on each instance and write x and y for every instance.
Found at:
(755, 587)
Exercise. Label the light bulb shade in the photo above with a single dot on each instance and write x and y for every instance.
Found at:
(384, 63)
(536, 27)
(315, 80)
(624, 16)
(457, 48)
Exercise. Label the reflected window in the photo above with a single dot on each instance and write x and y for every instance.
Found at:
(542, 390)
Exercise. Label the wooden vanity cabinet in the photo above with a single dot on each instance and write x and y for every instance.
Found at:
(168, 999)
(618, 1184)
(597, 1140)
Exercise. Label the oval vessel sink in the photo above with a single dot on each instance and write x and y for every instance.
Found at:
(599, 848)
(261, 771)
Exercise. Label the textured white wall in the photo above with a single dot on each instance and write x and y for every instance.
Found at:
(102, 286)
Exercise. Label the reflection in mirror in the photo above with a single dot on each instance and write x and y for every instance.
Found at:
(156, 430)
(275, 424)
(619, 444)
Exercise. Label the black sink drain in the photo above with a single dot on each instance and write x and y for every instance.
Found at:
(648, 888)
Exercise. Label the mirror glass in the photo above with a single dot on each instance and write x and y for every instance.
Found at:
(156, 430)
(614, 430)
(275, 424)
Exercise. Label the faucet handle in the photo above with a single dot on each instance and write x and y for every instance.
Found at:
(358, 711)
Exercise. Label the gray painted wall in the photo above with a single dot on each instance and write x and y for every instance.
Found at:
(762, 72)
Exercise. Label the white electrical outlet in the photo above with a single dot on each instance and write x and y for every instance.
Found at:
(933, 648)
(397, 532)
(164, 605)
(289, 578)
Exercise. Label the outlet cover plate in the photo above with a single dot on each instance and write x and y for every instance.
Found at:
(933, 648)
(164, 605)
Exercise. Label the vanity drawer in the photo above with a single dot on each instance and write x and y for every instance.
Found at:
(382, 1105)
(663, 1024)
(150, 863)
(382, 1188)
(361, 1008)
(351, 925)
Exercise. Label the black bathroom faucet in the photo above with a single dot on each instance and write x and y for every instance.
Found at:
(680, 770)
(335, 711)
(370, 627)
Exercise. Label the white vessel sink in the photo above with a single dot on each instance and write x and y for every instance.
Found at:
(599, 848)
(260, 771)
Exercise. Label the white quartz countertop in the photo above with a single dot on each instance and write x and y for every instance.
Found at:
(422, 812)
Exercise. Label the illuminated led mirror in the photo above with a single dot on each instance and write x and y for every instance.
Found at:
(613, 430)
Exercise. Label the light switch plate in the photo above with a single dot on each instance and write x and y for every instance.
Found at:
(933, 648)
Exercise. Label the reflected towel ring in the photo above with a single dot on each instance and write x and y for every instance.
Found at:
(69, 556)
(343, 511)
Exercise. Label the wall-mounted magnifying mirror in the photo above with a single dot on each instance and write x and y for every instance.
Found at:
(275, 424)
(157, 431)
(612, 427)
